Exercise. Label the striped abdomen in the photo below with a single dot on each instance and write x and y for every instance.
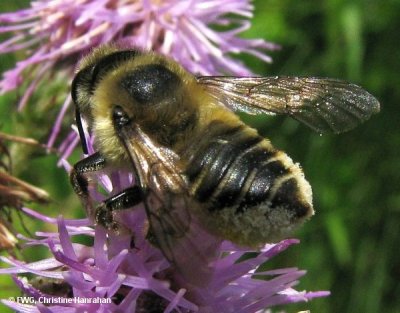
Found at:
(238, 175)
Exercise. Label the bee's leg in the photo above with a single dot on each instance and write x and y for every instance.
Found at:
(79, 180)
(122, 201)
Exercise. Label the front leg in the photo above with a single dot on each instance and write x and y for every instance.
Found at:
(104, 213)
(124, 200)
(79, 181)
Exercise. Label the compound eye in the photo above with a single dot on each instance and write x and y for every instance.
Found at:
(150, 84)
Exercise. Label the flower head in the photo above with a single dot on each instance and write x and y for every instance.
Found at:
(129, 274)
(122, 278)
(57, 32)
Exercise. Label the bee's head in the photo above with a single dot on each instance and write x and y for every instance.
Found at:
(91, 71)
(150, 89)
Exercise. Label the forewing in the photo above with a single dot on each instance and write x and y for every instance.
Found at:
(181, 238)
(170, 209)
(323, 104)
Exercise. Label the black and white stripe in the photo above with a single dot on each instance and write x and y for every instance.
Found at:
(238, 168)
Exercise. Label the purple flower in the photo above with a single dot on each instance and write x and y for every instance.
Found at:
(56, 31)
(122, 276)
(126, 273)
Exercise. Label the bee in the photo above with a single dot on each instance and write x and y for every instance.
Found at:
(199, 169)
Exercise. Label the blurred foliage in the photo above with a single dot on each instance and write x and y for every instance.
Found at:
(350, 246)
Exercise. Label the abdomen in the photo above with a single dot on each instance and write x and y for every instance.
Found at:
(251, 192)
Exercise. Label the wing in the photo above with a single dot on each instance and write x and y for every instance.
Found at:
(323, 104)
(170, 209)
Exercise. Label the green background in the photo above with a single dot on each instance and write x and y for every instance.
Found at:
(351, 246)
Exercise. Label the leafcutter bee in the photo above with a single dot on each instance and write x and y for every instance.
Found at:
(199, 169)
